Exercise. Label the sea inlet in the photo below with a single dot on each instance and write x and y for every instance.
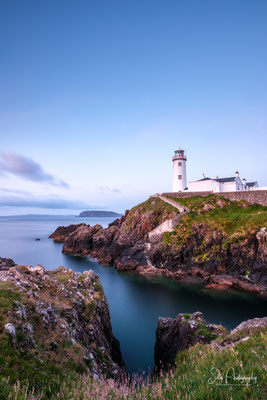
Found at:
(135, 302)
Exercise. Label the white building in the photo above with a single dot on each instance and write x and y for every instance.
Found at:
(231, 184)
(217, 185)
(179, 171)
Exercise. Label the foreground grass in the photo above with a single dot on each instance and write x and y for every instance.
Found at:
(203, 373)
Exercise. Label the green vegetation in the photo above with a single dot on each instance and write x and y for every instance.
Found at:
(168, 236)
(201, 373)
(204, 331)
(159, 208)
(41, 366)
(61, 276)
(98, 288)
(235, 219)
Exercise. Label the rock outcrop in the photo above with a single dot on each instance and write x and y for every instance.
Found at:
(62, 232)
(178, 334)
(123, 243)
(55, 321)
(218, 242)
(6, 263)
(186, 330)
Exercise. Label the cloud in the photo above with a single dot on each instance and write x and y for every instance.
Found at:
(11, 163)
(49, 203)
(108, 189)
(15, 191)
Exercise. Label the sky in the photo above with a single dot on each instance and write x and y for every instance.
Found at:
(95, 96)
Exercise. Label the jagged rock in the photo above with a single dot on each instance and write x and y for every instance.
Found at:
(62, 232)
(186, 330)
(178, 334)
(59, 312)
(261, 236)
(6, 263)
(220, 203)
(250, 324)
(208, 207)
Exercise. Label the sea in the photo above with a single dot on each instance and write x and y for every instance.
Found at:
(135, 302)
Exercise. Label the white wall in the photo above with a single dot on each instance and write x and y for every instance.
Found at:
(179, 184)
(228, 187)
(204, 186)
(259, 188)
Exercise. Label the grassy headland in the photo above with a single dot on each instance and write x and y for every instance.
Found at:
(203, 372)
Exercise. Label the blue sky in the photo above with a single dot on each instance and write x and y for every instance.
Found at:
(96, 95)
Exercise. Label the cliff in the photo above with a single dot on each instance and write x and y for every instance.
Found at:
(207, 362)
(56, 342)
(219, 242)
(175, 335)
(203, 361)
(54, 324)
(64, 231)
(187, 330)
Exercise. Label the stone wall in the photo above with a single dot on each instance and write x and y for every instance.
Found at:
(182, 195)
(253, 196)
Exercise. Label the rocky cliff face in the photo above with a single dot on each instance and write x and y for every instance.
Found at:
(186, 330)
(123, 242)
(219, 242)
(178, 334)
(54, 323)
(64, 231)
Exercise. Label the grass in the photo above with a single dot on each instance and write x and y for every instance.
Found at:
(204, 331)
(235, 221)
(42, 367)
(9, 295)
(201, 373)
(98, 288)
(159, 208)
(62, 277)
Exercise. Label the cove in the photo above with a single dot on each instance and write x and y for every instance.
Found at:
(135, 302)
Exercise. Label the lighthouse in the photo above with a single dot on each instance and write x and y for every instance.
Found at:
(179, 171)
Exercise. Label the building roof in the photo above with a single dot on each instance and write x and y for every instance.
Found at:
(204, 179)
(222, 180)
(250, 184)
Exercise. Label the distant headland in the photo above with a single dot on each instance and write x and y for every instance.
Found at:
(96, 213)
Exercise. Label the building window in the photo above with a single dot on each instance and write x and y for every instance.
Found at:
(180, 164)
(179, 176)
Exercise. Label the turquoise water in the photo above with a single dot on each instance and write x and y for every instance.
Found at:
(135, 302)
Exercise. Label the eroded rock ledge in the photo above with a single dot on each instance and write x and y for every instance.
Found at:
(210, 244)
(55, 320)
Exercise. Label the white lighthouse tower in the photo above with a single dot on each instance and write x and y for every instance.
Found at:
(179, 171)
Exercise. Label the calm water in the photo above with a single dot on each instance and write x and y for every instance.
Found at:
(135, 303)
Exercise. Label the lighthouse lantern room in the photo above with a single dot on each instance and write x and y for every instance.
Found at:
(179, 171)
